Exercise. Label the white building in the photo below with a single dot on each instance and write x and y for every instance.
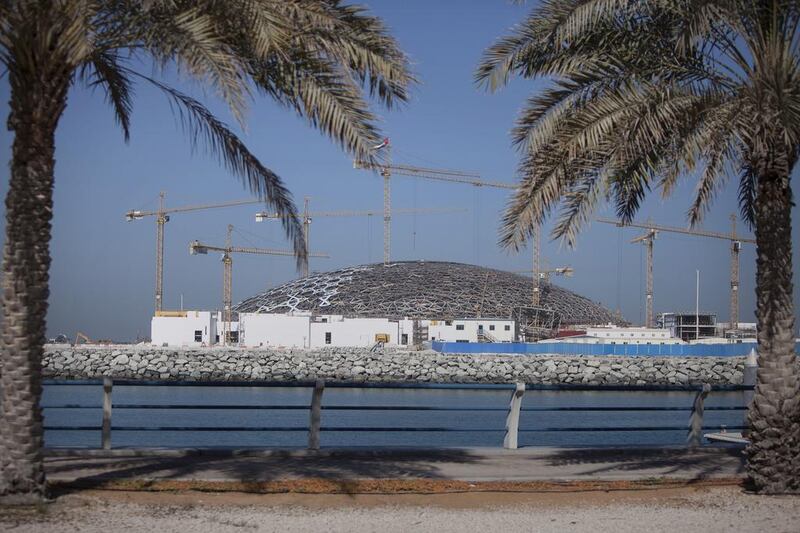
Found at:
(306, 331)
(184, 328)
(471, 330)
(303, 330)
(621, 335)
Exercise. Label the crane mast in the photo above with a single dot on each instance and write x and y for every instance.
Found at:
(648, 238)
(162, 217)
(387, 208)
(536, 243)
(736, 246)
(196, 247)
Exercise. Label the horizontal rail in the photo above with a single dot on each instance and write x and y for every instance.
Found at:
(380, 429)
(402, 385)
(315, 409)
(278, 407)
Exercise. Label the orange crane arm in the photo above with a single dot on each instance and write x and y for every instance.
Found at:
(135, 214)
(196, 247)
(400, 211)
(455, 176)
(673, 229)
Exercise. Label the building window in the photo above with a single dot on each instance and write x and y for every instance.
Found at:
(507, 328)
(404, 338)
(327, 337)
(198, 335)
(491, 327)
(448, 322)
(460, 327)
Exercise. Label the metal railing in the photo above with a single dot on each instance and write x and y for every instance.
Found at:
(511, 430)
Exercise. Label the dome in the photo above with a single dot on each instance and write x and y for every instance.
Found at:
(422, 289)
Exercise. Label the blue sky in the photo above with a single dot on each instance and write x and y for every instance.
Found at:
(102, 278)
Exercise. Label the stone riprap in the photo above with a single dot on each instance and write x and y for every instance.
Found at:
(361, 365)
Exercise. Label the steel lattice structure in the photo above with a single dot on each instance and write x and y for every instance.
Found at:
(424, 290)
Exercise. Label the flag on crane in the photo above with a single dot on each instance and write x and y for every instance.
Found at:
(384, 144)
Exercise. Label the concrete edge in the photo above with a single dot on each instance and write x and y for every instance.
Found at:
(370, 452)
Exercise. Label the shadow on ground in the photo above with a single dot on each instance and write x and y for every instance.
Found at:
(337, 467)
(702, 462)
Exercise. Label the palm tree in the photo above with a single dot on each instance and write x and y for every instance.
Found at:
(643, 92)
(320, 58)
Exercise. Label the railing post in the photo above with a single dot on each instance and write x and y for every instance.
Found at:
(512, 419)
(695, 436)
(106, 435)
(315, 415)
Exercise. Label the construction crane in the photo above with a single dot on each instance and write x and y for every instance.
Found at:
(162, 217)
(386, 170)
(649, 237)
(196, 247)
(308, 216)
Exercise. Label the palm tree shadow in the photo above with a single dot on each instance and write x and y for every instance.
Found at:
(692, 463)
(340, 467)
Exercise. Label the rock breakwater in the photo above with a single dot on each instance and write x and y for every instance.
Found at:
(362, 365)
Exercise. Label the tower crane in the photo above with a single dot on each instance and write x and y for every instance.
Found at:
(308, 216)
(649, 237)
(196, 247)
(162, 217)
(388, 168)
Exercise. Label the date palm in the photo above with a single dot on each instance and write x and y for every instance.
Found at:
(643, 92)
(321, 58)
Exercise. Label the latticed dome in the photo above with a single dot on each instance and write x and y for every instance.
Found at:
(422, 289)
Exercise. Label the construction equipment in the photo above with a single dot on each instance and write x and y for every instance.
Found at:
(649, 237)
(308, 216)
(386, 170)
(196, 247)
(544, 275)
(162, 217)
(79, 336)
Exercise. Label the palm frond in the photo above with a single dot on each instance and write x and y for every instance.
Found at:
(748, 191)
(327, 97)
(106, 73)
(203, 127)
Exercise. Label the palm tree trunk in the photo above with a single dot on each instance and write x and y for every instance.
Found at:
(773, 455)
(38, 99)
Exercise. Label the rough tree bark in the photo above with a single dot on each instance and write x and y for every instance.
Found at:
(773, 455)
(38, 98)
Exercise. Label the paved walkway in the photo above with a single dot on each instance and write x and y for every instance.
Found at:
(473, 464)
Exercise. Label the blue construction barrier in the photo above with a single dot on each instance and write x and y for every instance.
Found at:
(565, 348)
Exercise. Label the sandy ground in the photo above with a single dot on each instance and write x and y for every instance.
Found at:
(705, 509)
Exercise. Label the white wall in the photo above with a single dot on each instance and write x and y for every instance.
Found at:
(303, 331)
(448, 330)
(352, 331)
(268, 329)
(180, 331)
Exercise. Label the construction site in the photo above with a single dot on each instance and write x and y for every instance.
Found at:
(416, 303)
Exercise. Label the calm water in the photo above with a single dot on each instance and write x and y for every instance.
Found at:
(474, 428)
